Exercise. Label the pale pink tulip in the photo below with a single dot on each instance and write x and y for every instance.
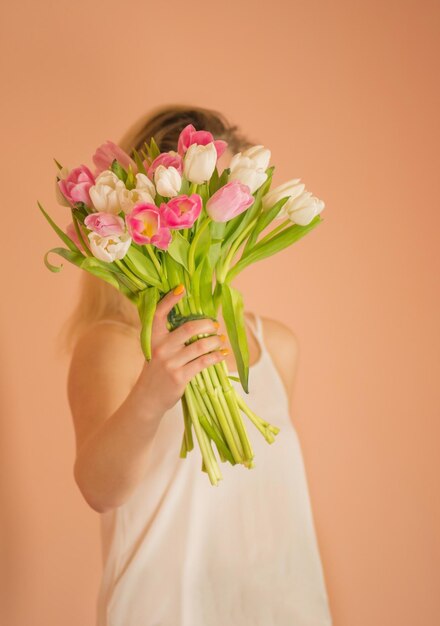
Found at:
(75, 187)
(146, 225)
(105, 224)
(181, 211)
(229, 201)
(167, 159)
(190, 135)
(107, 152)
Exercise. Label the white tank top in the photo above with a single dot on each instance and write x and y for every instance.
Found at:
(182, 552)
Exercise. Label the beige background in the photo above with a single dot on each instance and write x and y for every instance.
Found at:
(345, 95)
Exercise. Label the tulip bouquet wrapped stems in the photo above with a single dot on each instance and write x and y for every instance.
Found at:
(150, 221)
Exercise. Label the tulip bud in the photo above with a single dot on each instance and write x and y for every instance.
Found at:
(167, 180)
(199, 162)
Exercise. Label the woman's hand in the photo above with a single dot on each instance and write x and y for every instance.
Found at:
(173, 363)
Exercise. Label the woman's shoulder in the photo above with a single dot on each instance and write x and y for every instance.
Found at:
(274, 330)
(106, 345)
(283, 346)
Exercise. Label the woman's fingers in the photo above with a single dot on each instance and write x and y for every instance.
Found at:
(180, 335)
(197, 348)
(197, 365)
(164, 306)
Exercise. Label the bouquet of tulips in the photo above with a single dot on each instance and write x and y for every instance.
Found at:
(151, 221)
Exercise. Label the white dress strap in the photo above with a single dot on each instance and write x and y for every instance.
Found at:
(257, 329)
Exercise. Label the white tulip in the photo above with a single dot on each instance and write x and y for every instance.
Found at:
(291, 189)
(143, 192)
(249, 166)
(167, 180)
(304, 208)
(252, 177)
(144, 183)
(111, 247)
(199, 162)
(258, 154)
(104, 194)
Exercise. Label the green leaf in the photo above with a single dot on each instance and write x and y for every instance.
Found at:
(214, 183)
(117, 169)
(236, 226)
(130, 182)
(179, 248)
(217, 230)
(174, 270)
(203, 192)
(61, 234)
(203, 245)
(147, 302)
(224, 177)
(142, 266)
(138, 160)
(233, 308)
(73, 257)
(152, 150)
(184, 187)
(205, 288)
(263, 221)
(282, 240)
(89, 264)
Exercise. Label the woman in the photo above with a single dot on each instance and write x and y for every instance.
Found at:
(176, 550)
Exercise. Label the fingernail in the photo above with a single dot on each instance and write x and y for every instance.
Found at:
(224, 351)
(216, 324)
(222, 337)
(179, 289)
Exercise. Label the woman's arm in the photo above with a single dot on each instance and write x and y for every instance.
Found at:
(117, 410)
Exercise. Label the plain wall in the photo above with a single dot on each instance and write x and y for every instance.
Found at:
(346, 96)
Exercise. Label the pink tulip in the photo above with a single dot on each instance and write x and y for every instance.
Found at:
(71, 232)
(107, 152)
(166, 159)
(146, 225)
(105, 224)
(190, 135)
(229, 201)
(182, 211)
(75, 188)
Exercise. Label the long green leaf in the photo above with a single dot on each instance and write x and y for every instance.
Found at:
(61, 234)
(280, 241)
(147, 302)
(264, 220)
(92, 265)
(179, 248)
(142, 266)
(233, 308)
(69, 255)
(117, 169)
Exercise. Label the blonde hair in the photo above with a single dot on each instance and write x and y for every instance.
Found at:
(98, 300)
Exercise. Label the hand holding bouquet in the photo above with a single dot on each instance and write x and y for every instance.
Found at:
(158, 220)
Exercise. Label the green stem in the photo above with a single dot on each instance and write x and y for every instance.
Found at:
(274, 231)
(234, 247)
(192, 247)
(265, 428)
(122, 266)
(206, 450)
(80, 235)
(158, 266)
(230, 396)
